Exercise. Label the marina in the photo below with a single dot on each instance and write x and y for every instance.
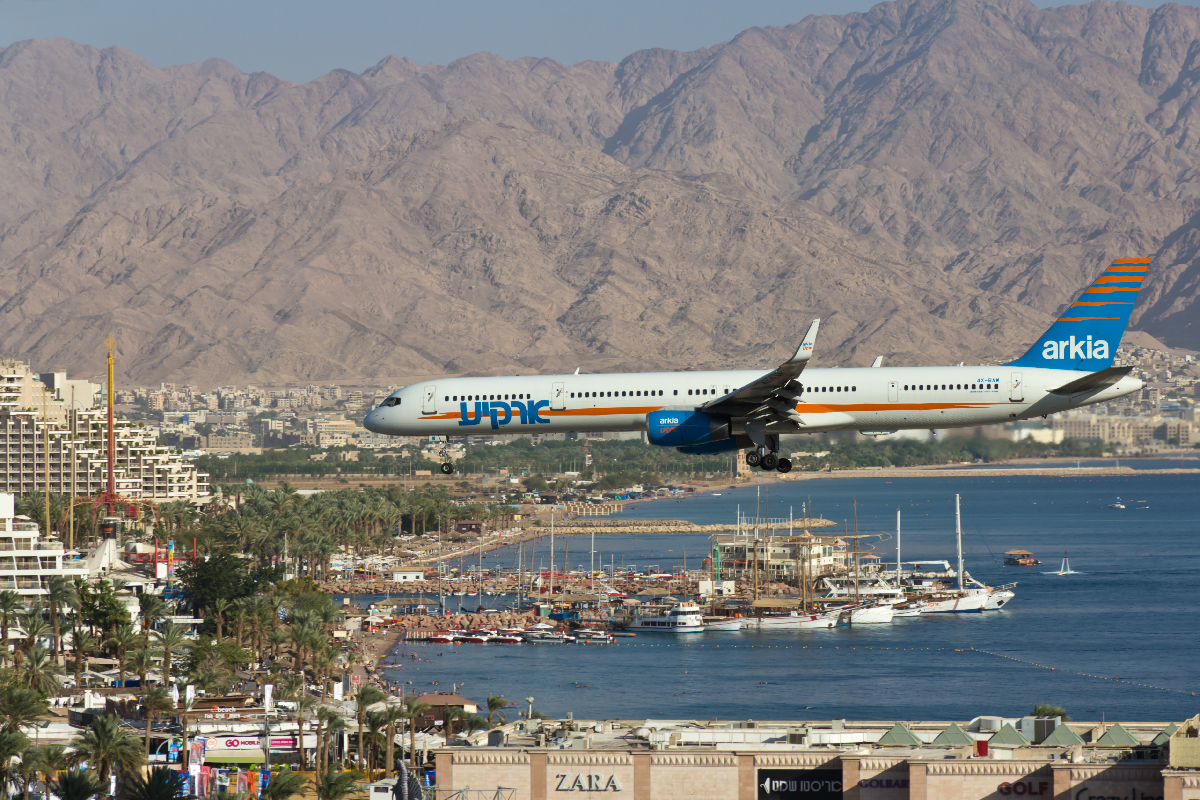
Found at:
(955, 662)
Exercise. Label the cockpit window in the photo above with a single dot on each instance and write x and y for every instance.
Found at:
(391, 401)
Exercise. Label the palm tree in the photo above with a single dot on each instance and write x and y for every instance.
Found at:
(220, 607)
(12, 744)
(155, 703)
(141, 661)
(284, 785)
(150, 608)
(376, 725)
(451, 715)
(35, 628)
(107, 748)
(392, 715)
(39, 672)
(123, 638)
(11, 604)
(494, 704)
(476, 723)
(60, 591)
(27, 770)
(328, 720)
(52, 759)
(82, 642)
(20, 706)
(367, 697)
(414, 711)
(75, 784)
(161, 784)
(170, 639)
(331, 785)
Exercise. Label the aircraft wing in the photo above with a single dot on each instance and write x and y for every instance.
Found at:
(770, 395)
(1093, 381)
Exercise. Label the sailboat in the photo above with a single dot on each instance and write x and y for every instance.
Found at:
(1065, 569)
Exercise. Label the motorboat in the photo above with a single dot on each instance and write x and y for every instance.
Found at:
(586, 636)
(1118, 504)
(508, 638)
(680, 618)
(999, 596)
(442, 637)
(544, 637)
(478, 637)
(722, 624)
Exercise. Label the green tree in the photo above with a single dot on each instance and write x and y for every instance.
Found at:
(76, 784)
(171, 639)
(367, 697)
(155, 704)
(450, 716)
(494, 704)
(161, 784)
(20, 706)
(39, 672)
(12, 744)
(284, 785)
(11, 604)
(335, 785)
(1047, 710)
(414, 712)
(107, 749)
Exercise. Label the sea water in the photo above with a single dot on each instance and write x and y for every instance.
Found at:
(1117, 639)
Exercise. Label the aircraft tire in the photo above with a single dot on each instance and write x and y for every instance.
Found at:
(785, 465)
(753, 459)
(770, 461)
(447, 468)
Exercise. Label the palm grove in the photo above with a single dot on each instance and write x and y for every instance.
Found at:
(254, 619)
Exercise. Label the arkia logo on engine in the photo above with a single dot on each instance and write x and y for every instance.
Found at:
(1071, 348)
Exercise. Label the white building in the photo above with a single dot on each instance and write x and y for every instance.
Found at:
(26, 561)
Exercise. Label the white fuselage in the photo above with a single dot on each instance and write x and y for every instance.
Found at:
(864, 399)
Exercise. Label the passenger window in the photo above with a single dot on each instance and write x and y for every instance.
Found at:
(447, 398)
(689, 391)
(838, 389)
(854, 388)
(906, 387)
(677, 392)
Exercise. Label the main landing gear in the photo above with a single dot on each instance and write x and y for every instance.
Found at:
(447, 465)
(768, 460)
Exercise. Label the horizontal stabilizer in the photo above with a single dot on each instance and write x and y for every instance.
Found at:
(1093, 381)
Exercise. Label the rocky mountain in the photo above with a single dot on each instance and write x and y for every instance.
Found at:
(935, 178)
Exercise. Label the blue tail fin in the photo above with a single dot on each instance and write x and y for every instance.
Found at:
(1086, 336)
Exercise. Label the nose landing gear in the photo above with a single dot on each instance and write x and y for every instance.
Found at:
(447, 465)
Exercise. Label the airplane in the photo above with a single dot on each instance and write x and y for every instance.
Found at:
(717, 411)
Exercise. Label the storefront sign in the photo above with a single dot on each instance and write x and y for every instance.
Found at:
(595, 782)
(1084, 793)
(810, 784)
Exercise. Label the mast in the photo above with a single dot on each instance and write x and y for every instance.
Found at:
(958, 536)
(592, 564)
(552, 554)
(898, 572)
(856, 567)
(111, 344)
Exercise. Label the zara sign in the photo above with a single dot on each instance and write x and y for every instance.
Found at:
(594, 782)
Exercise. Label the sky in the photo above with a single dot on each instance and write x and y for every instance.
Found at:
(299, 40)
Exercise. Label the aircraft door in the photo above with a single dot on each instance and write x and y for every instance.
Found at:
(558, 397)
(429, 406)
(893, 392)
(726, 390)
(1016, 387)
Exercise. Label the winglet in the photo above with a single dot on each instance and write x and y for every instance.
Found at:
(878, 362)
(804, 351)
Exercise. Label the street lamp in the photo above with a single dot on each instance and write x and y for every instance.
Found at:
(529, 714)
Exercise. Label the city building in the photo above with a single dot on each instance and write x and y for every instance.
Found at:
(26, 560)
(988, 757)
(780, 558)
(143, 469)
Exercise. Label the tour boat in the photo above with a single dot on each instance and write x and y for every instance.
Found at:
(722, 624)
(681, 618)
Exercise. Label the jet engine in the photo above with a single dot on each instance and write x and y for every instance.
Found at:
(686, 428)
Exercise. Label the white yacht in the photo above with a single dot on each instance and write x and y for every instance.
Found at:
(878, 614)
(681, 618)
(26, 562)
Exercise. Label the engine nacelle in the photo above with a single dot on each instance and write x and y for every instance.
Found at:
(685, 428)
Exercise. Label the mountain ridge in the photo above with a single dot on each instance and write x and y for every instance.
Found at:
(962, 169)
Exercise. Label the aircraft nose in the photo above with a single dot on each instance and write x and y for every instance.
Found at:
(373, 421)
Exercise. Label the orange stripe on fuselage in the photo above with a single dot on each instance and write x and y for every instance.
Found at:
(1082, 319)
(1119, 279)
(1102, 303)
(1109, 289)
